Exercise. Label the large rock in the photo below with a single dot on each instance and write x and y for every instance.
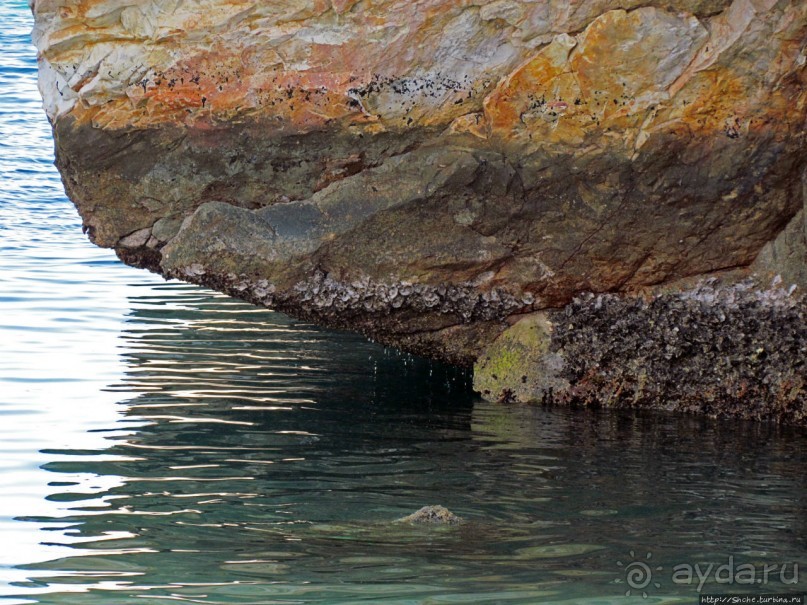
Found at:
(427, 173)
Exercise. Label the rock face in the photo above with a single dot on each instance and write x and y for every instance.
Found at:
(428, 173)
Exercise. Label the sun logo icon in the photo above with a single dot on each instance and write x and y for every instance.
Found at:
(638, 575)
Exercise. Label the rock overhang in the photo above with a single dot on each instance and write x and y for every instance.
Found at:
(430, 173)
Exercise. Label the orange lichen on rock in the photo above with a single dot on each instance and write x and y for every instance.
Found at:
(307, 65)
(603, 80)
(630, 74)
(527, 88)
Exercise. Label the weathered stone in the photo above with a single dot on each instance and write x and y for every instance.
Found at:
(786, 256)
(165, 229)
(428, 173)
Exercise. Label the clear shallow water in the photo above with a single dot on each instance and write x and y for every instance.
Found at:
(162, 444)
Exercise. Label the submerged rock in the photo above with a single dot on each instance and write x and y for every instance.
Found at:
(429, 173)
(437, 515)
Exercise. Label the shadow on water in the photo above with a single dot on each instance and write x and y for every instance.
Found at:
(259, 459)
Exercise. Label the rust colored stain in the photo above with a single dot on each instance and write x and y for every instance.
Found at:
(394, 65)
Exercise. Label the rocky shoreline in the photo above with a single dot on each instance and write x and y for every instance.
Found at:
(451, 178)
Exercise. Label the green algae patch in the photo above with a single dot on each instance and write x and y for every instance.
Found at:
(518, 365)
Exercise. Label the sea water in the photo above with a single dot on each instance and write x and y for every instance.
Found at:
(160, 443)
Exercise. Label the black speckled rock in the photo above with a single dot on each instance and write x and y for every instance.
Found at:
(735, 351)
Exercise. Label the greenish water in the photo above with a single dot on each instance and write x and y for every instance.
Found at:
(162, 444)
(242, 457)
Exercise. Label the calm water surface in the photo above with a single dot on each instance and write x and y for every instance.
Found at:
(161, 444)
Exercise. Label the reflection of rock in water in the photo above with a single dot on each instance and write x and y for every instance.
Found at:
(264, 389)
(214, 357)
(432, 515)
(192, 337)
